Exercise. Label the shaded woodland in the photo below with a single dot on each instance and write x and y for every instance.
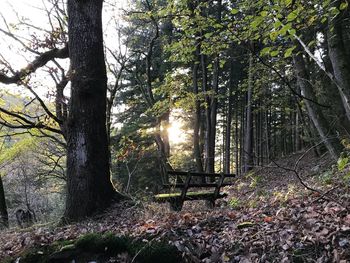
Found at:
(98, 105)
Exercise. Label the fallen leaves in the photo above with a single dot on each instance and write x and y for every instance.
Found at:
(315, 231)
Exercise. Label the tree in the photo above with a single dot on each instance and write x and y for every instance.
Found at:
(4, 219)
(325, 131)
(89, 185)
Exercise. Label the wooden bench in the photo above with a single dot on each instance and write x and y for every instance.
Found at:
(183, 182)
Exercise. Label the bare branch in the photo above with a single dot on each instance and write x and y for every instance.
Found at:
(24, 123)
(38, 62)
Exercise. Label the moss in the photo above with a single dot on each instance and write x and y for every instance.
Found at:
(155, 252)
(108, 243)
(101, 247)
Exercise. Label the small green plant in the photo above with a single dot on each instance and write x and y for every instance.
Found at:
(342, 162)
(262, 193)
(326, 177)
(234, 203)
(255, 180)
(241, 185)
(253, 203)
(346, 177)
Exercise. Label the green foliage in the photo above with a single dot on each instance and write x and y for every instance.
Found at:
(21, 146)
(255, 180)
(327, 177)
(342, 163)
(235, 203)
(343, 6)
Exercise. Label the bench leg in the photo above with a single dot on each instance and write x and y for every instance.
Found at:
(176, 205)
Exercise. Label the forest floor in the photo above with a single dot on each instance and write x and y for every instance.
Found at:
(268, 216)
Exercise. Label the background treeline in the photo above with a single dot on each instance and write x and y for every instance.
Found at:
(251, 81)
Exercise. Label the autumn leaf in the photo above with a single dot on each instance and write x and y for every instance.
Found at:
(268, 219)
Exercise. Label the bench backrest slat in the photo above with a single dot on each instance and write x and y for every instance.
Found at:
(181, 185)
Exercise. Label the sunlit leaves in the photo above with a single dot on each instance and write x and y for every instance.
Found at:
(292, 15)
(342, 162)
(234, 11)
(288, 2)
(343, 5)
(17, 148)
(273, 35)
(289, 52)
(265, 51)
(264, 13)
(256, 22)
(274, 53)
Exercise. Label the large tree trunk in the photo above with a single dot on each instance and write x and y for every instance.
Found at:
(326, 133)
(89, 187)
(4, 219)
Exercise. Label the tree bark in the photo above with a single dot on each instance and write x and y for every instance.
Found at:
(339, 57)
(248, 141)
(207, 112)
(213, 118)
(4, 218)
(197, 116)
(89, 187)
(326, 134)
(227, 156)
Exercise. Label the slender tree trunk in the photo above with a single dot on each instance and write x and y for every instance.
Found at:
(207, 113)
(89, 187)
(248, 142)
(197, 116)
(237, 141)
(165, 134)
(214, 104)
(4, 219)
(213, 118)
(297, 132)
(267, 135)
(229, 121)
(327, 135)
(242, 132)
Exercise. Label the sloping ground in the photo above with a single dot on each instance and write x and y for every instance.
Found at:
(268, 217)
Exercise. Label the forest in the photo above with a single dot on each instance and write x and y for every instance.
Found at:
(175, 131)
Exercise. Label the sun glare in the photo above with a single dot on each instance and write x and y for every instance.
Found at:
(176, 133)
